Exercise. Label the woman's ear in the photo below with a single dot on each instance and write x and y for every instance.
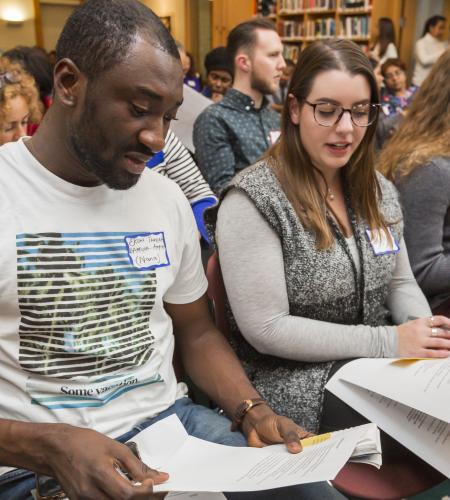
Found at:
(294, 109)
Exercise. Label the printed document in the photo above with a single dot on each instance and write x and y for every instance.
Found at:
(200, 466)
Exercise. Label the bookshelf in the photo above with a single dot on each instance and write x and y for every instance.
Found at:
(299, 22)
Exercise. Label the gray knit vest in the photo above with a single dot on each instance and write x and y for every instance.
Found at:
(322, 285)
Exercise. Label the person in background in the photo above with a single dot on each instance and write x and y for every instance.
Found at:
(219, 74)
(35, 62)
(280, 95)
(395, 94)
(311, 246)
(384, 47)
(175, 162)
(417, 159)
(429, 48)
(233, 133)
(19, 101)
(190, 77)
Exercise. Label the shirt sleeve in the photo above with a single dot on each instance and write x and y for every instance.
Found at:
(427, 186)
(424, 55)
(213, 150)
(181, 168)
(190, 282)
(252, 264)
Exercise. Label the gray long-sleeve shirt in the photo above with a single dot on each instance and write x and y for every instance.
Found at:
(425, 196)
(251, 258)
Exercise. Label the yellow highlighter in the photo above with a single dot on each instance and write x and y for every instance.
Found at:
(311, 441)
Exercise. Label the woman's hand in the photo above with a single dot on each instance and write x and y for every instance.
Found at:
(262, 426)
(424, 338)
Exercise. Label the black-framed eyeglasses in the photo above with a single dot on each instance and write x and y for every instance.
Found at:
(328, 114)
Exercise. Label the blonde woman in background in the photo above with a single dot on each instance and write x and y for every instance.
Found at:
(417, 159)
(19, 102)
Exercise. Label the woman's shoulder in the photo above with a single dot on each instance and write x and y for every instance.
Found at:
(388, 189)
(259, 173)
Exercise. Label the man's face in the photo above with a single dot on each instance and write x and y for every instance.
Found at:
(125, 114)
(286, 75)
(395, 79)
(267, 62)
(219, 81)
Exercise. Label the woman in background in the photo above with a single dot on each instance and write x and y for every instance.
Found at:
(417, 159)
(19, 102)
(384, 47)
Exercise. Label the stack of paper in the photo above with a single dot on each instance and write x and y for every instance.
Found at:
(197, 465)
(407, 398)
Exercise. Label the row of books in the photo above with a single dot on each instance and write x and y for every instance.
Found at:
(318, 28)
(299, 5)
(356, 4)
(355, 26)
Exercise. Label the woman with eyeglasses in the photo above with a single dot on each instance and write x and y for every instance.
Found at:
(417, 159)
(311, 246)
(19, 101)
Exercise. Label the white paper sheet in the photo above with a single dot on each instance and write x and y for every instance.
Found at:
(197, 465)
(423, 385)
(424, 435)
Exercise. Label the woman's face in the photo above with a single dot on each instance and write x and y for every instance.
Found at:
(15, 121)
(330, 148)
(395, 79)
(438, 30)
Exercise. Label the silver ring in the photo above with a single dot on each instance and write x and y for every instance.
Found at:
(434, 332)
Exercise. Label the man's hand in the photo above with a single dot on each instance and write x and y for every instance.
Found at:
(262, 426)
(86, 465)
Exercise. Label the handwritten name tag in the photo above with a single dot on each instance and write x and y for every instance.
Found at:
(381, 244)
(147, 251)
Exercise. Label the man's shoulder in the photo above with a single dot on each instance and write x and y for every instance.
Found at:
(161, 187)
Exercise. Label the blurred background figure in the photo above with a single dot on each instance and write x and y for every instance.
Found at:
(191, 77)
(34, 61)
(417, 159)
(384, 47)
(19, 102)
(219, 74)
(429, 47)
(396, 95)
(280, 95)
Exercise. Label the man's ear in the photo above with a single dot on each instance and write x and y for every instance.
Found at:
(243, 62)
(69, 82)
(294, 109)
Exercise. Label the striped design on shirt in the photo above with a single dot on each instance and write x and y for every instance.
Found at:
(84, 308)
(179, 166)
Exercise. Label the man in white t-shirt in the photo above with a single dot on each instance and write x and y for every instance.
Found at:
(99, 268)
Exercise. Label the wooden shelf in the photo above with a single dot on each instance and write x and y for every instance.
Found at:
(354, 12)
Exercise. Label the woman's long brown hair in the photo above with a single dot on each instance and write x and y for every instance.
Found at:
(292, 164)
(425, 131)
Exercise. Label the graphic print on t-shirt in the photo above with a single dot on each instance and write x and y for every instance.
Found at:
(85, 312)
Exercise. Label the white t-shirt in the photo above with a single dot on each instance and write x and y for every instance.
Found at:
(84, 337)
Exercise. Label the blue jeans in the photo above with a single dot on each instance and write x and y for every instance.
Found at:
(200, 422)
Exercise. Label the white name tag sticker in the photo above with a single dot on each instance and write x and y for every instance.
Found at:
(273, 136)
(381, 244)
(147, 251)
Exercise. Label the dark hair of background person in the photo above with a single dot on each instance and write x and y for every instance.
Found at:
(35, 62)
(431, 23)
(99, 34)
(386, 34)
(393, 61)
(218, 59)
(425, 131)
(244, 36)
(300, 183)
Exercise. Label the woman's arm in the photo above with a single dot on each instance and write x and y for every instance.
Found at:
(252, 265)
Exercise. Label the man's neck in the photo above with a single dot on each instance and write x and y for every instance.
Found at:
(243, 85)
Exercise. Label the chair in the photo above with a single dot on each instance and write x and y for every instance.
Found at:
(357, 481)
(217, 294)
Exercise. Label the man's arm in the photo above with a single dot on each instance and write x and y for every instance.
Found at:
(82, 460)
(214, 368)
(213, 150)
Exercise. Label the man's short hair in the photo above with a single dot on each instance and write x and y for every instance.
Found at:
(99, 34)
(398, 63)
(244, 36)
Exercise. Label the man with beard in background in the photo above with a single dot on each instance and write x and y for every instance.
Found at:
(234, 133)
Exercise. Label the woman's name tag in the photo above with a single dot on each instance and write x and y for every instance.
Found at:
(381, 244)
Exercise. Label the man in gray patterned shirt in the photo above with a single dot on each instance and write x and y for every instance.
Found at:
(232, 134)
